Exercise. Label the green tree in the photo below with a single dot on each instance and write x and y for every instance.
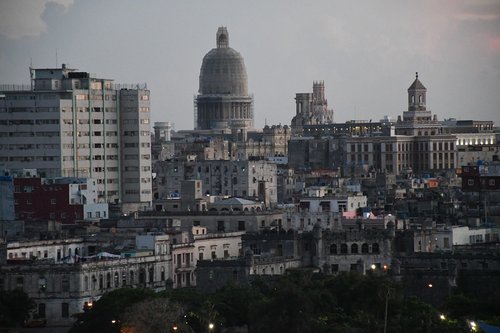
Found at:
(157, 315)
(109, 308)
(15, 307)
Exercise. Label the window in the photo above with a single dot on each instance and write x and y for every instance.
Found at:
(41, 310)
(241, 225)
(343, 248)
(220, 226)
(375, 248)
(354, 248)
(364, 248)
(333, 249)
(52, 201)
(151, 274)
(20, 282)
(65, 283)
(65, 310)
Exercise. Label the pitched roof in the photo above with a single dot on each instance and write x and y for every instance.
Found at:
(417, 85)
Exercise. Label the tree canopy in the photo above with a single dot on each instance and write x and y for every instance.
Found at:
(297, 302)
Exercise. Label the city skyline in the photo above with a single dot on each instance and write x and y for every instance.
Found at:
(367, 54)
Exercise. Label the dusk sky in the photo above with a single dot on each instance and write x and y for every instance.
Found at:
(366, 52)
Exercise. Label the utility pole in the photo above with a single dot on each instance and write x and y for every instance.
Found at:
(386, 308)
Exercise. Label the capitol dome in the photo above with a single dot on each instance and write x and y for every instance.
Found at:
(223, 103)
(223, 70)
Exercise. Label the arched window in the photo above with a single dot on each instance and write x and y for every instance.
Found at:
(117, 280)
(162, 273)
(108, 280)
(86, 283)
(151, 274)
(412, 99)
(131, 278)
(375, 248)
(333, 249)
(142, 276)
(93, 282)
(101, 281)
(343, 248)
(364, 248)
(420, 99)
(354, 248)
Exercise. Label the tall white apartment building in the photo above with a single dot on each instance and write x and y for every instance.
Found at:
(67, 123)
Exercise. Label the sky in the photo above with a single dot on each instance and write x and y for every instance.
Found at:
(366, 52)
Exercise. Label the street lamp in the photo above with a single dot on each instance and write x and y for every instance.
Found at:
(210, 327)
(442, 317)
(473, 326)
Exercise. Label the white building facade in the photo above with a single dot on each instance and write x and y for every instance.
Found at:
(71, 124)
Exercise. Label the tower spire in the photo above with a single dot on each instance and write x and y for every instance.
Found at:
(222, 38)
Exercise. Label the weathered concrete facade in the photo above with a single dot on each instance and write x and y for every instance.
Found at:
(246, 178)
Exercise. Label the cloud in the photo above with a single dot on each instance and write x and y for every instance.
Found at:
(477, 17)
(23, 18)
(494, 44)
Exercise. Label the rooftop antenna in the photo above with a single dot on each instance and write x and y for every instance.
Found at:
(31, 73)
(56, 58)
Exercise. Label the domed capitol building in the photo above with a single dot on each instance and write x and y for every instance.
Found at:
(223, 102)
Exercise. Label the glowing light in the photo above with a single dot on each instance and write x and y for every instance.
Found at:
(442, 317)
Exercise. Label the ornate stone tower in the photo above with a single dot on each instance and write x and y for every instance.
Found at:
(417, 114)
(416, 95)
(223, 102)
(311, 109)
